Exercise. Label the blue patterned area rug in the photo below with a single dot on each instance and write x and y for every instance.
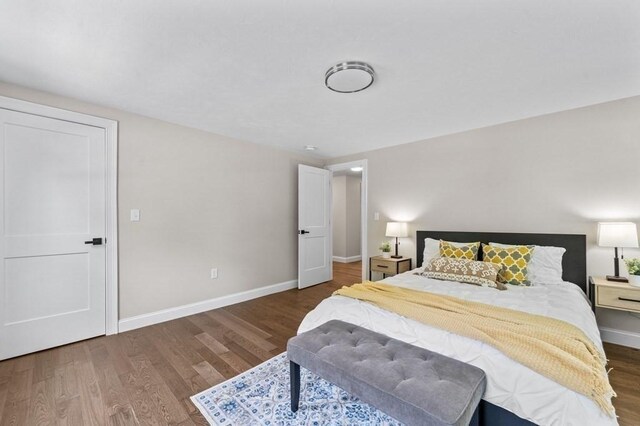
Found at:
(261, 396)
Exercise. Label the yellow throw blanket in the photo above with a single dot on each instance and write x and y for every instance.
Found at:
(553, 348)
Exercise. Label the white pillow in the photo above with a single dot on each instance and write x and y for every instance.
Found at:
(432, 249)
(545, 266)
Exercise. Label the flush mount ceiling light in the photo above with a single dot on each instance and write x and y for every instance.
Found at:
(356, 169)
(310, 147)
(349, 77)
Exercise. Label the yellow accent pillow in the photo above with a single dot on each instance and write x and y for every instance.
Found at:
(514, 262)
(469, 251)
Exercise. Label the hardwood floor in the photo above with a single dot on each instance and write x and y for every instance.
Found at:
(625, 380)
(146, 376)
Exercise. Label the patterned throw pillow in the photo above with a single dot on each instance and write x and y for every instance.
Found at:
(469, 251)
(466, 271)
(513, 260)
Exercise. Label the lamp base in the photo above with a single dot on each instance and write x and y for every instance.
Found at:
(617, 279)
(396, 257)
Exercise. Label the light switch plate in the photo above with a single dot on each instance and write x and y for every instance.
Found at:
(135, 215)
(376, 216)
(214, 273)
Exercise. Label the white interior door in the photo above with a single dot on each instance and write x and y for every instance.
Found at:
(314, 226)
(52, 184)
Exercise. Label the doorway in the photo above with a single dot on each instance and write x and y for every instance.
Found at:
(315, 223)
(349, 213)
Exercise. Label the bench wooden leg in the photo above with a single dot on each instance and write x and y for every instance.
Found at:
(294, 373)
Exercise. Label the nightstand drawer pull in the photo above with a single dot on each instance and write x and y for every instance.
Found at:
(628, 300)
(382, 266)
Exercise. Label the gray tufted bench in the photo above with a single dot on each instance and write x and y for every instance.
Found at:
(411, 384)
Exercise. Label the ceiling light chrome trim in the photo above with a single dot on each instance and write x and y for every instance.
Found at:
(349, 65)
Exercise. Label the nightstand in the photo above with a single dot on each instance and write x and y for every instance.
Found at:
(388, 267)
(613, 295)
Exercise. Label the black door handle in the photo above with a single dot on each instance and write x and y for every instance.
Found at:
(304, 232)
(95, 242)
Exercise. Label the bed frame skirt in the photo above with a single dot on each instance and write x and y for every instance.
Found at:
(492, 415)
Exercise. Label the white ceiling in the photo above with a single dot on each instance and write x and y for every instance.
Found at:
(254, 70)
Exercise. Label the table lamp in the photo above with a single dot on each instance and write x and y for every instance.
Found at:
(397, 229)
(617, 235)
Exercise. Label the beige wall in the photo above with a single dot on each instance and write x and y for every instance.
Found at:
(339, 215)
(346, 216)
(559, 173)
(205, 200)
(209, 201)
(353, 219)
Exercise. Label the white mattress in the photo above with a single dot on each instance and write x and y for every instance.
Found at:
(510, 385)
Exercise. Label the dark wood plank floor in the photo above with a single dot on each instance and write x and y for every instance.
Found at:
(146, 376)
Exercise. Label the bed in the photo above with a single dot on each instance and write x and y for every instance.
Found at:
(515, 395)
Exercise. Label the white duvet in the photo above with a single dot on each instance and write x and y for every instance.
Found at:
(510, 385)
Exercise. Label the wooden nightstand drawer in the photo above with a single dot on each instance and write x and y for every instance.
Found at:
(385, 266)
(389, 267)
(618, 298)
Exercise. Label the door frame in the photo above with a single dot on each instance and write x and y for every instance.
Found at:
(363, 208)
(111, 133)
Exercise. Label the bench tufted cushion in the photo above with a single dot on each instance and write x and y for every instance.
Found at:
(411, 384)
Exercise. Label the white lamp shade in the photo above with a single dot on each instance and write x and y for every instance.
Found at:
(617, 234)
(397, 229)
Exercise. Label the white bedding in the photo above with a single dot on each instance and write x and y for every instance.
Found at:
(510, 385)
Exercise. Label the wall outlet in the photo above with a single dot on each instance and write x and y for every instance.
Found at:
(214, 273)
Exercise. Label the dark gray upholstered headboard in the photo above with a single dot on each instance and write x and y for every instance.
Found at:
(574, 262)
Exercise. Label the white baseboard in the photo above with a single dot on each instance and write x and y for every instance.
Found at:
(346, 259)
(620, 337)
(206, 305)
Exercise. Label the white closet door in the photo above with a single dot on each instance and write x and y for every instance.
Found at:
(52, 284)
